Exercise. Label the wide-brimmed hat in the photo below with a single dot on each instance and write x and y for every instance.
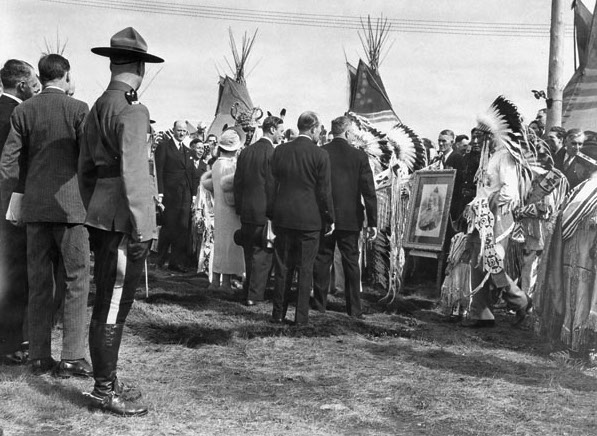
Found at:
(128, 44)
(232, 139)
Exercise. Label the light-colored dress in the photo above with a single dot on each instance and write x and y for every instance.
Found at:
(228, 258)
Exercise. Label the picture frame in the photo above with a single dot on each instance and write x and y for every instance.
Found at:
(429, 209)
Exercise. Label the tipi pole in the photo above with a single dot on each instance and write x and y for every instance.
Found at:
(555, 85)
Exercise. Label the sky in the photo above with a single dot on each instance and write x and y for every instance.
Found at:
(434, 81)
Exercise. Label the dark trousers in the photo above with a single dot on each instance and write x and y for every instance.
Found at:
(294, 249)
(175, 231)
(118, 276)
(14, 288)
(47, 242)
(348, 244)
(258, 261)
(498, 285)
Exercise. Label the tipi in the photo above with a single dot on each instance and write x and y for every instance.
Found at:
(579, 108)
(233, 92)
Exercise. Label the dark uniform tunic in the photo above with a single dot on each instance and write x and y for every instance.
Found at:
(118, 192)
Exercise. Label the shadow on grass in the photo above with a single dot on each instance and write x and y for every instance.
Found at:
(218, 316)
(490, 367)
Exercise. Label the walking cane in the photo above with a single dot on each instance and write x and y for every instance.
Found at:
(146, 281)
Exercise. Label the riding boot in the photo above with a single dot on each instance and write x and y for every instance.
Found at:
(104, 343)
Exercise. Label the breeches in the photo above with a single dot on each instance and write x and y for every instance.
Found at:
(117, 276)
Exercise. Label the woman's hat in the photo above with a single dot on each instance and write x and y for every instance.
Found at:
(128, 44)
(232, 139)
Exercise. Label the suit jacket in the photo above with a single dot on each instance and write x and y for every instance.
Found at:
(174, 173)
(302, 197)
(254, 182)
(456, 161)
(570, 173)
(352, 179)
(7, 105)
(41, 154)
(199, 168)
(114, 174)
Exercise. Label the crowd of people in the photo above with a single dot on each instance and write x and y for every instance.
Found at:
(75, 180)
(260, 198)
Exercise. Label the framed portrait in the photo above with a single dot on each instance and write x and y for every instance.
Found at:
(429, 209)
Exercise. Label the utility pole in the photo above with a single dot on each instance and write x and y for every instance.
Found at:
(555, 85)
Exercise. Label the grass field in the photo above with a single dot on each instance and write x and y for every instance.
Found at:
(207, 365)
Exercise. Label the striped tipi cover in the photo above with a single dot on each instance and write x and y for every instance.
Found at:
(579, 108)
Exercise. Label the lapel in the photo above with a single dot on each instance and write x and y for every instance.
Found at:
(176, 152)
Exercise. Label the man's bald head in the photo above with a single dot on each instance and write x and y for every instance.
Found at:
(179, 130)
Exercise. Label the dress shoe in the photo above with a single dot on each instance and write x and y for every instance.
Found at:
(276, 320)
(41, 366)
(73, 368)
(116, 404)
(478, 323)
(250, 303)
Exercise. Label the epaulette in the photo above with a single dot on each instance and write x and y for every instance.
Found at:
(131, 96)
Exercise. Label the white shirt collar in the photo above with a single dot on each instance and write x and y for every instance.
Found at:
(15, 98)
(448, 154)
(54, 87)
(308, 137)
(265, 137)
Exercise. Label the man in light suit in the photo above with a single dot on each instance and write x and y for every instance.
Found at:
(118, 190)
(252, 181)
(40, 158)
(352, 182)
(174, 168)
(20, 83)
(300, 208)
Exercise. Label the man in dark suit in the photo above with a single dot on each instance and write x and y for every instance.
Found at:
(252, 180)
(565, 157)
(174, 168)
(451, 159)
(199, 165)
(352, 183)
(300, 207)
(40, 157)
(20, 83)
(118, 190)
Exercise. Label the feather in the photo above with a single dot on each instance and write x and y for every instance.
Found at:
(408, 147)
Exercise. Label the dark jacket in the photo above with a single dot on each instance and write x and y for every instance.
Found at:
(456, 161)
(570, 172)
(352, 179)
(199, 168)
(114, 175)
(252, 181)
(174, 172)
(41, 154)
(7, 105)
(302, 197)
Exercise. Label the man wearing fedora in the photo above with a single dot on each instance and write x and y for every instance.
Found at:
(252, 180)
(174, 169)
(120, 197)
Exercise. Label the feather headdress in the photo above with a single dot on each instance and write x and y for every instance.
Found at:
(504, 122)
(399, 142)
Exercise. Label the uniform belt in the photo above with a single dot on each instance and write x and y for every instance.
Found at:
(106, 172)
